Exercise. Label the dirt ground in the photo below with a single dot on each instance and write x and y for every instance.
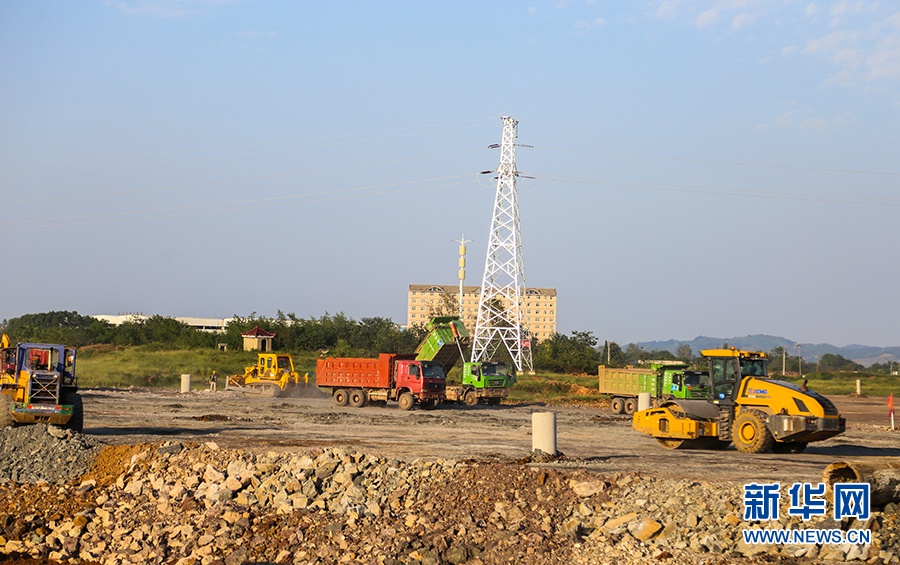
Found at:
(592, 439)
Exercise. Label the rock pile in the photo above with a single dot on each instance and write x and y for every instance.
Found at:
(42, 453)
(201, 505)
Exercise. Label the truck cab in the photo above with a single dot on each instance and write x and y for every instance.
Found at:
(41, 387)
(424, 379)
(685, 384)
(488, 374)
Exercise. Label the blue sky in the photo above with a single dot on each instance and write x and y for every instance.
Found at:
(702, 167)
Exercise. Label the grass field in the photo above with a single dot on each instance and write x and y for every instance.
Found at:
(107, 366)
(104, 366)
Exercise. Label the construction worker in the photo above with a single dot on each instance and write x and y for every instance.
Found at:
(212, 382)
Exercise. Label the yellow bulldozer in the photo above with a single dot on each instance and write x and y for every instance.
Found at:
(273, 375)
(744, 407)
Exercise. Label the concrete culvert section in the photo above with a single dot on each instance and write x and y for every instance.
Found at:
(883, 474)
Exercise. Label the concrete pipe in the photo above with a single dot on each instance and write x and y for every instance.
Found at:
(543, 432)
(643, 401)
(883, 474)
(185, 384)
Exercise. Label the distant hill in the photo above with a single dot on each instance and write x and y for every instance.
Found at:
(863, 354)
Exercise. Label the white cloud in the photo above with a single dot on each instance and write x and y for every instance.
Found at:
(893, 21)
(844, 77)
(884, 64)
(786, 119)
(847, 8)
(814, 124)
(255, 34)
(668, 9)
(848, 58)
(826, 44)
(743, 20)
(167, 8)
(707, 18)
(585, 25)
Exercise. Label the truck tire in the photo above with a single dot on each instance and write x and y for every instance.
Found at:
(6, 419)
(406, 401)
(341, 398)
(428, 404)
(618, 405)
(357, 398)
(494, 401)
(76, 422)
(751, 432)
(630, 405)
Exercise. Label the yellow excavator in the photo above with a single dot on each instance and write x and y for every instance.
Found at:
(273, 375)
(744, 407)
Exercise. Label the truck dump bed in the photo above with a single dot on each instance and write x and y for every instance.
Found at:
(628, 381)
(355, 372)
(441, 345)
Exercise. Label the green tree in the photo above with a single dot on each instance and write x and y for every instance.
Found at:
(447, 306)
(66, 327)
(612, 355)
(834, 363)
(567, 354)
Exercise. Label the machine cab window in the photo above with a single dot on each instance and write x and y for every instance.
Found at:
(723, 377)
(753, 368)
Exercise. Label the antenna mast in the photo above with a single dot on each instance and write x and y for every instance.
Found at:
(500, 314)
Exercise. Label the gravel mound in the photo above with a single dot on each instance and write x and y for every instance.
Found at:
(191, 504)
(44, 454)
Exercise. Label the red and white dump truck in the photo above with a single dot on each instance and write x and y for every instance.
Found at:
(358, 381)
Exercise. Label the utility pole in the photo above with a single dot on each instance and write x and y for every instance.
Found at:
(783, 361)
(462, 269)
(799, 361)
(500, 314)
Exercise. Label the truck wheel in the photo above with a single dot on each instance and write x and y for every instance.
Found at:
(406, 401)
(471, 399)
(6, 418)
(618, 405)
(428, 404)
(751, 433)
(341, 397)
(630, 405)
(357, 398)
(76, 422)
(793, 447)
(494, 401)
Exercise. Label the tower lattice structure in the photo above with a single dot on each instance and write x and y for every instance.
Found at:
(501, 318)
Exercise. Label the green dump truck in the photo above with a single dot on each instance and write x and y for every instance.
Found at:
(483, 381)
(662, 379)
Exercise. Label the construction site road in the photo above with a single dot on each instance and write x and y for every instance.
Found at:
(590, 438)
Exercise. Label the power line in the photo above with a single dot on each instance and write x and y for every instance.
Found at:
(340, 139)
(720, 162)
(726, 192)
(243, 204)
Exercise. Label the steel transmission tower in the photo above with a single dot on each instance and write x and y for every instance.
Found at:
(500, 314)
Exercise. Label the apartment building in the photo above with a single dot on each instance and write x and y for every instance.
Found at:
(427, 300)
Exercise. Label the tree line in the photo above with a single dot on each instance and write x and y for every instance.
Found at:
(342, 336)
